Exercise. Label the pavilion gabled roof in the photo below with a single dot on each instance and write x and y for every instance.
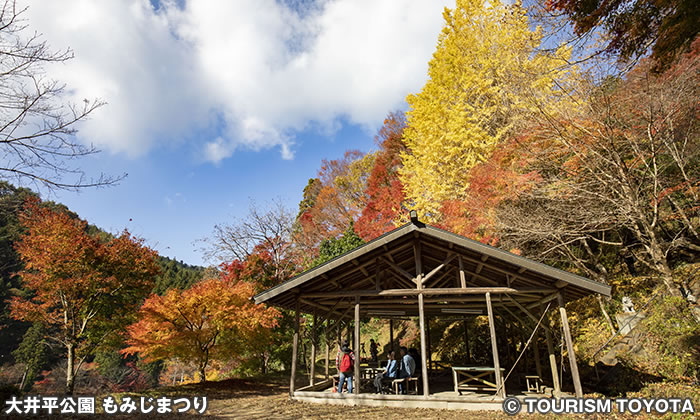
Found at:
(389, 262)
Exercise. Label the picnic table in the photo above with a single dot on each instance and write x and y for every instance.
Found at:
(370, 372)
(475, 378)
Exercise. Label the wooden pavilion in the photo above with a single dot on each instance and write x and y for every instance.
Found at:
(422, 271)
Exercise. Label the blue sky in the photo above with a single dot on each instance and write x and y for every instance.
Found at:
(211, 104)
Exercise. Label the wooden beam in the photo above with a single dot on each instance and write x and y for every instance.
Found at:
(427, 333)
(387, 253)
(295, 346)
(494, 348)
(327, 352)
(480, 277)
(358, 356)
(421, 319)
(402, 281)
(479, 266)
(346, 313)
(542, 301)
(336, 281)
(399, 269)
(462, 277)
(312, 373)
(315, 305)
(556, 383)
(377, 280)
(331, 311)
(410, 292)
(391, 335)
(362, 269)
(529, 314)
(447, 260)
(330, 280)
(482, 260)
(442, 280)
(570, 348)
(536, 354)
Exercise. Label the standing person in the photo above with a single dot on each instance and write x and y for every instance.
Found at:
(373, 350)
(408, 367)
(345, 361)
(390, 372)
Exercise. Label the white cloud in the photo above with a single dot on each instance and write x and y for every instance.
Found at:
(254, 72)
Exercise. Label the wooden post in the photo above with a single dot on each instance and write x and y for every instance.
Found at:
(504, 340)
(421, 315)
(338, 333)
(430, 350)
(494, 348)
(462, 278)
(536, 349)
(349, 337)
(358, 357)
(327, 356)
(295, 346)
(391, 335)
(570, 347)
(338, 340)
(421, 318)
(312, 372)
(552, 361)
(466, 341)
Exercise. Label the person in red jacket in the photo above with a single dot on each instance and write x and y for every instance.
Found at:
(345, 362)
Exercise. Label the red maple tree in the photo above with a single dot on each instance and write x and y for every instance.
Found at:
(83, 289)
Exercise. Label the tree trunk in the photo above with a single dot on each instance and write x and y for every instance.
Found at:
(202, 373)
(24, 378)
(70, 373)
(263, 363)
(605, 313)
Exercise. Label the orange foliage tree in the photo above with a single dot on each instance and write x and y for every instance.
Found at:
(82, 289)
(385, 196)
(504, 175)
(335, 200)
(214, 320)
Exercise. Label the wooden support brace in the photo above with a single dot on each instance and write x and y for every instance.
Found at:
(494, 348)
(398, 269)
(570, 348)
(447, 260)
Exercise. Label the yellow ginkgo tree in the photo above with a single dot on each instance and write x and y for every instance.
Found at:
(487, 74)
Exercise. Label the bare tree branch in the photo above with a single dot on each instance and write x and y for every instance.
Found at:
(38, 125)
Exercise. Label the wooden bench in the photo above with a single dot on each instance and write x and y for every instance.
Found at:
(408, 381)
(533, 383)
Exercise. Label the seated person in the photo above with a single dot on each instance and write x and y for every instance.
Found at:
(416, 356)
(408, 367)
(390, 372)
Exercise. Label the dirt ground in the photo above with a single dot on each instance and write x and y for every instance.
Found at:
(255, 399)
(268, 398)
